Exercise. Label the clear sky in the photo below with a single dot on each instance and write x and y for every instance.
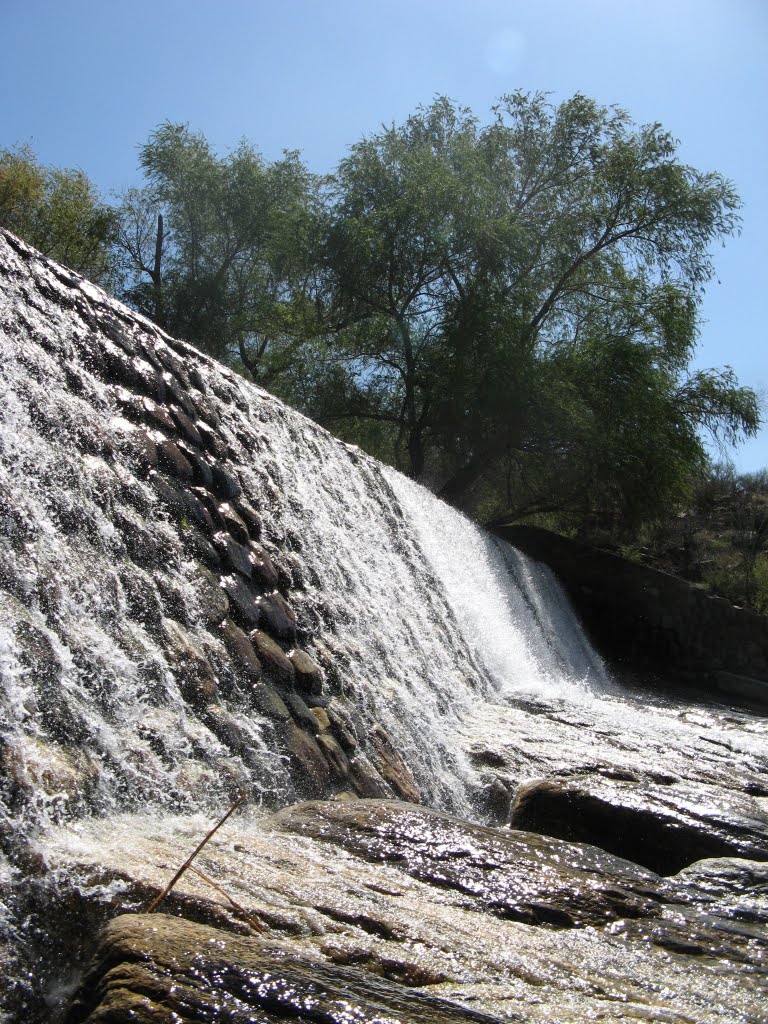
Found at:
(85, 81)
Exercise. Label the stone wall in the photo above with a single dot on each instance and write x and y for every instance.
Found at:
(649, 620)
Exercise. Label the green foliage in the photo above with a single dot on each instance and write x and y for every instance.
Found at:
(505, 310)
(718, 538)
(233, 269)
(58, 211)
(521, 301)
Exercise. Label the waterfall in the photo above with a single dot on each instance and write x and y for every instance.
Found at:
(413, 613)
(511, 610)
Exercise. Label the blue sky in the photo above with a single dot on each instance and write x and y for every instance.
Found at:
(87, 80)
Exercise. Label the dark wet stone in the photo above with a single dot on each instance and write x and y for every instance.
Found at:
(141, 449)
(312, 773)
(197, 379)
(277, 616)
(391, 765)
(664, 828)
(203, 476)
(173, 461)
(262, 568)
(186, 427)
(244, 606)
(250, 517)
(224, 483)
(144, 547)
(335, 756)
(300, 712)
(211, 440)
(210, 596)
(194, 674)
(180, 502)
(155, 968)
(235, 556)
(158, 415)
(309, 676)
(241, 651)
(197, 546)
(234, 523)
(204, 496)
(273, 658)
(120, 369)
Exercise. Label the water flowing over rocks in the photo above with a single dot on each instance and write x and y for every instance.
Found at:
(204, 594)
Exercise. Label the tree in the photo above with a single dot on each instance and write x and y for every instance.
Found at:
(58, 211)
(221, 250)
(523, 295)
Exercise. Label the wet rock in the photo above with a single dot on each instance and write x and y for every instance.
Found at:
(241, 651)
(194, 674)
(234, 524)
(301, 712)
(158, 415)
(211, 440)
(243, 601)
(273, 658)
(336, 757)
(665, 829)
(391, 765)
(518, 876)
(186, 426)
(366, 779)
(250, 517)
(309, 676)
(224, 483)
(262, 569)
(235, 556)
(158, 968)
(311, 768)
(173, 461)
(201, 468)
(212, 601)
(277, 616)
(322, 722)
(345, 727)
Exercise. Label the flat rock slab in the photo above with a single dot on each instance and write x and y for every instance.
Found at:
(402, 912)
(165, 970)
(516, 875)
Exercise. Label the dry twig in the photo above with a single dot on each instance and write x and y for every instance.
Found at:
(159, 899)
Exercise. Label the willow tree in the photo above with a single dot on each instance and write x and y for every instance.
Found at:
(482, 266)
(59, 211)
(221, 250)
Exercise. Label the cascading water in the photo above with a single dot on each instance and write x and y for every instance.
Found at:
(510, 609)
(138, 479)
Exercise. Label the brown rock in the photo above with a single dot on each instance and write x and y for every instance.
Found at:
(309, 676)
(247, 664)
(193, 671)
(263, 570)
(337, 759)
(173, 461)
(274, 660)
(243, 601)
(233, 523)
(322, 721)
(277, 616)
(312, 772)
(391, 765)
